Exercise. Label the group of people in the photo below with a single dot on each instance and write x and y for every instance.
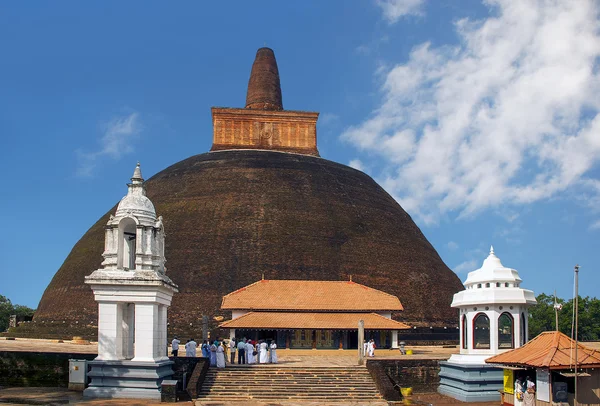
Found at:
(248, 351)
(369, 348)
(524, 392)
(252, 352)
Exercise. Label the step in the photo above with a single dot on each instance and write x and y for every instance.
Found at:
(327, 398)
(273, 382)
(288, 389)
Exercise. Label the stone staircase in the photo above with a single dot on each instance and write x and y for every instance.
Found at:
(272, 382)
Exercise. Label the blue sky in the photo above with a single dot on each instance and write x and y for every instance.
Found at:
(480, 118)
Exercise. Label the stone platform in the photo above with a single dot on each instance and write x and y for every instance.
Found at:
(127, 379)
(471, 382)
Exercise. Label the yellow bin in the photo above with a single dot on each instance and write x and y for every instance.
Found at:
(406, 391)
(409, 352)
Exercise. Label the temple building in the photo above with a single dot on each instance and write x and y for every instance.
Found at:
(313, 314)
(263, 201)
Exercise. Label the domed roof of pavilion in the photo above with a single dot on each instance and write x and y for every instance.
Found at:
(493, 271)
(493, 283)
(264, 202)
(135, 201)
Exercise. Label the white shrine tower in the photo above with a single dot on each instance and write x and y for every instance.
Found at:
(493, 318)
(133, 294)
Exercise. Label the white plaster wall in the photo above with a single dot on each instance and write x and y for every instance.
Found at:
(237, 313)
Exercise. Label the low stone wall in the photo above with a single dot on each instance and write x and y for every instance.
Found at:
(37, 368)
(421, 375)
(18, 368)
(194, 369)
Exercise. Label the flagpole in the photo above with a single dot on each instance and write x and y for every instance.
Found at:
(556, 309)
(576, 317)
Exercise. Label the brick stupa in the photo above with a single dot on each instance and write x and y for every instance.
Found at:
(264, 202)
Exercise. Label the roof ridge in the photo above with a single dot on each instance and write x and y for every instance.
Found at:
(242, 289)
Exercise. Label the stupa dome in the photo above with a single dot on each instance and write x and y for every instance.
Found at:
(264, 202)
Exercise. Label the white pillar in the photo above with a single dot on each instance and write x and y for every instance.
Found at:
(110, 331)
(394, 338)
(139, 241)
(148, 242)
(493, 330)
(162, 325)
(128, 329)
(232, 334)
(470, 331)
(146, 321)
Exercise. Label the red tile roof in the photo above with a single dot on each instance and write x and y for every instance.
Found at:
(317, 321)
(310, 295)
(551, 349)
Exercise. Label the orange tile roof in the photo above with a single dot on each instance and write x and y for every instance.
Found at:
(310, 295)
(317, 321)
(551, 349)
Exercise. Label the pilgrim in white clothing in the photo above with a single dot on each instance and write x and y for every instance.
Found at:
(371, 348)
(518, 400)
(190, 348)
(250, 353)
(220, 356)
(274, 352)
(365, 347)
(263, 353)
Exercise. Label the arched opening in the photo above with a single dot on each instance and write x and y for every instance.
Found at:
(481, 332)
(464, 332)
(126, 251)
(505, 331)
(523, 330)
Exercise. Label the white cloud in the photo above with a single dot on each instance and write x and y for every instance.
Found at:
(452, 245)
(466, 266)
(507, 117)
(393, 10)
(357, 164)
(115, 142)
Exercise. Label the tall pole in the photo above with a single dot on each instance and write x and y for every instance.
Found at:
(576, 320)
(556, 309)
(361, 339)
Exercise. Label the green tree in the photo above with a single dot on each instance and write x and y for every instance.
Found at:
(542, 317)
(7, 309)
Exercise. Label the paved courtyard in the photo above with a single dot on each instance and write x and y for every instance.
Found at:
(286, 357)
(292, 358)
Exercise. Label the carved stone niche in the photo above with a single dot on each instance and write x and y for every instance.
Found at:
(266, 133)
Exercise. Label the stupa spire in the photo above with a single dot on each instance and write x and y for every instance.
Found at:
(137, 175)
(136, 187)
(264, 88)
(491, 250)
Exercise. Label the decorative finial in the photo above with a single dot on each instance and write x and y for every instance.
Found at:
(263, 276)
(137, 174)
(491, 250)
(350, 277)
(264, 88)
